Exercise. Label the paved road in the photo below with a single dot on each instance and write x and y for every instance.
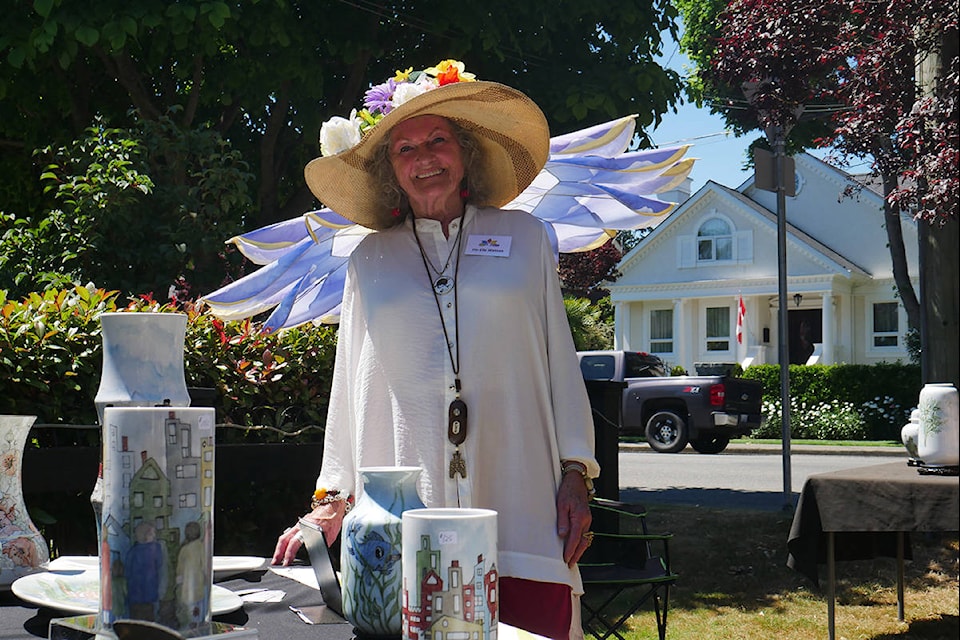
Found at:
(742, 477)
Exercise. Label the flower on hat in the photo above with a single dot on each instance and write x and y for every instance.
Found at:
(339, 134)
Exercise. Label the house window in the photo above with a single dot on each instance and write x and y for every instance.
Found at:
(886, 325)
(714, 241)
(718, 328)
(661, 331)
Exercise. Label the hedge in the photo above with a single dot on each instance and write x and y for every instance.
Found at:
(270, 387)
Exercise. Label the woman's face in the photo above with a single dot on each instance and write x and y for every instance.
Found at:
(428, 163)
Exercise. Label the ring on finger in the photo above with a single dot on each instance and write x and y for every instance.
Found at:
(587, 537)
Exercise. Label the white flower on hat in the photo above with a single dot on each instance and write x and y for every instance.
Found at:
(409, 90)
(339, 134)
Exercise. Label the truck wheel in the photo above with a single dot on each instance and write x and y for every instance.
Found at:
(666, 432)
(710, 444)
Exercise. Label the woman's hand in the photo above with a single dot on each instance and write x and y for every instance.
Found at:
(328, 517)
(573, 517)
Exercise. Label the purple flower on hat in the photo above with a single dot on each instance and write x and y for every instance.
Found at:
(379, 98)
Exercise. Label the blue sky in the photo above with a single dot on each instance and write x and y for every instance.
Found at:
(720, 155)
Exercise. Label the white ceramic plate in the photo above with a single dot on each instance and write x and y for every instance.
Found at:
(226, 566)
(79, 592)
(223, 566)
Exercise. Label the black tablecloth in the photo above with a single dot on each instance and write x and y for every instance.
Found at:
(865, 507)
(273, 620)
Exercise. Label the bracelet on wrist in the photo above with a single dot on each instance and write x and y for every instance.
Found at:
(329, 496)
(567, 466)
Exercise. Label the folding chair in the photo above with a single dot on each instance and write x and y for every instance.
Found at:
(621, 570)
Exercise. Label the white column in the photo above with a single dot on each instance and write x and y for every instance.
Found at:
(621, 326)
(680, 341)
(827, 329)
(775, 332)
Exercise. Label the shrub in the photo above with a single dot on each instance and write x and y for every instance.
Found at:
(847, 402)
(269, 387)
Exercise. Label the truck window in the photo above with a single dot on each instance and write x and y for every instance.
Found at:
(638, 366)
(597, 367)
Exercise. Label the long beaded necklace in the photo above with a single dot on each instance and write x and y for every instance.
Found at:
(457, 411)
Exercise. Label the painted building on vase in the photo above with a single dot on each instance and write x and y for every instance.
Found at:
(680, 289)
(458, 607)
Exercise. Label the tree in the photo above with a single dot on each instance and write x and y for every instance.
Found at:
(264, 74)
(860, 55)
(133, 210)
(583, 274)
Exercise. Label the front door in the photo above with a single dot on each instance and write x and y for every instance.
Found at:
(806, 329)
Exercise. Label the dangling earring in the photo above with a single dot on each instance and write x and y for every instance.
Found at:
(395, 212)
(464, 190)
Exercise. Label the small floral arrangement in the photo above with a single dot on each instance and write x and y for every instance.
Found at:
(339, 134)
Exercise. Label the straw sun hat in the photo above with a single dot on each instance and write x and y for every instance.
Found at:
(511, 129)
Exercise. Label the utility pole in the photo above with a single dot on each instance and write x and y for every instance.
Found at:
(783, 184)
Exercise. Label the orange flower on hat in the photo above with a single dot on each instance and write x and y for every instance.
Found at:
(449, 72)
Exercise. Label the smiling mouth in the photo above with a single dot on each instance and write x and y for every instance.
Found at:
(423, 176)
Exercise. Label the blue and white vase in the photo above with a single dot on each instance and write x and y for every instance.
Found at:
(370, 566)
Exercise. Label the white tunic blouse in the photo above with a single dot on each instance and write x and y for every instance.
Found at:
(527, 404)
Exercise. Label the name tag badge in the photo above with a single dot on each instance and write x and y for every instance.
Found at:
(497, 246)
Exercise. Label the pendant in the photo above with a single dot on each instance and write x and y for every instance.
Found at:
(458, 466)
(443, 285)
(457, 422)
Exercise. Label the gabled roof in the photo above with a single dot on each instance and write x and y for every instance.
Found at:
(832, 260)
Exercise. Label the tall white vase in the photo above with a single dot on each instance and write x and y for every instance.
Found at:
(142, 367)
(938, 439)
(142, 360)
(22, 548)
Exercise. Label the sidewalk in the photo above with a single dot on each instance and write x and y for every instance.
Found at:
(824, 449)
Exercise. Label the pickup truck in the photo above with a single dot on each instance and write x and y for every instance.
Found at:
(671, 411)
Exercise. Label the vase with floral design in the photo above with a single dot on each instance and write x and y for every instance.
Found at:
(22, 548)
(370, 567)
(938, 438)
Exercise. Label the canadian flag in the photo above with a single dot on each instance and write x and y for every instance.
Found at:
(741, 314)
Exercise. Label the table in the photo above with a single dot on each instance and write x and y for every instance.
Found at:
(864, 513)
(273, 620)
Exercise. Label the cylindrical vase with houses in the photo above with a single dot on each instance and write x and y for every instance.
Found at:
(157, 523)
(450, 576)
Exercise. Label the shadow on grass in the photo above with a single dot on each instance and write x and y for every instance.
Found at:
(730, 550)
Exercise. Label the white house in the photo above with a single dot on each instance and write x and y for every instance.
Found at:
(680, 288)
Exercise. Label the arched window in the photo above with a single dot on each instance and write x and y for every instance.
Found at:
(714, 241)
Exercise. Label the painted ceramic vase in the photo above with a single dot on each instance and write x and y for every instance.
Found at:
(142, 360)
(450, 578)
(370, 548)
(142, 367)
(938, 439)
(22, 548)
(909, 433)
(156, 549)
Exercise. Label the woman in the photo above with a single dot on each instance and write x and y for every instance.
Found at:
(456, 304)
